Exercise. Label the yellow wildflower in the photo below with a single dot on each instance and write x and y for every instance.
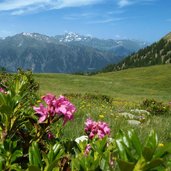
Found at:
(101, 116)
(161, 145)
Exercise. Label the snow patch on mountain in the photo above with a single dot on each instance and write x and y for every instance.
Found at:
(37, 36)
(119, 42)
(71, 37)
(27, 34)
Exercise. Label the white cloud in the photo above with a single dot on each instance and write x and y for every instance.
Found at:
(19, 4)
(18, 12)
(30, 9)
(115, 12)
(17, 7)
(74, 3)
(123, 3)
(108, 20)
(80, 16)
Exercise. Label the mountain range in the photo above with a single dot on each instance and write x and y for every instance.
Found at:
(68, 53)
(157, 53)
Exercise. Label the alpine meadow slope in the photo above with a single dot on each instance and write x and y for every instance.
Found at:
(131, 85)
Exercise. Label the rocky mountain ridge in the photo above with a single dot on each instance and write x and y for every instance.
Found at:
(67, 53)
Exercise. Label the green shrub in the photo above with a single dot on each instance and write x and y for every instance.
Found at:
(155, 107)
(134, 155)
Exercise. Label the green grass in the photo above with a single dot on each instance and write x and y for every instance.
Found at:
(128, 88)
(131, 84)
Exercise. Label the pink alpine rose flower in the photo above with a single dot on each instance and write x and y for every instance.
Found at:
(103, 129)
(42, 112)
(61, 107)
(93, 128)
(87, 150)
(65, 108)
(49, 99)
(89, 124)
(2, 91)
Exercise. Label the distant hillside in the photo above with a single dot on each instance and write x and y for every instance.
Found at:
(157, 53)
(133, 84)
(69, 53)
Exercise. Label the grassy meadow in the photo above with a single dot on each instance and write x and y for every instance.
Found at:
(104, 96)
(131, 84)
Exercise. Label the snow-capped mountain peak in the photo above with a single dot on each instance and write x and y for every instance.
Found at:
(71, 37)
(36, 36)
(27, 34)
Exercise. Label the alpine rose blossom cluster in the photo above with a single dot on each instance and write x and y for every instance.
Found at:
(93, 128)
(2, 91)
(55, 106)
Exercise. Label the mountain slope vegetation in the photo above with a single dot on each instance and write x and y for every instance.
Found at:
(158, 53)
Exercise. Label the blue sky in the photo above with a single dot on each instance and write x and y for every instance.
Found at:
(147, 20)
